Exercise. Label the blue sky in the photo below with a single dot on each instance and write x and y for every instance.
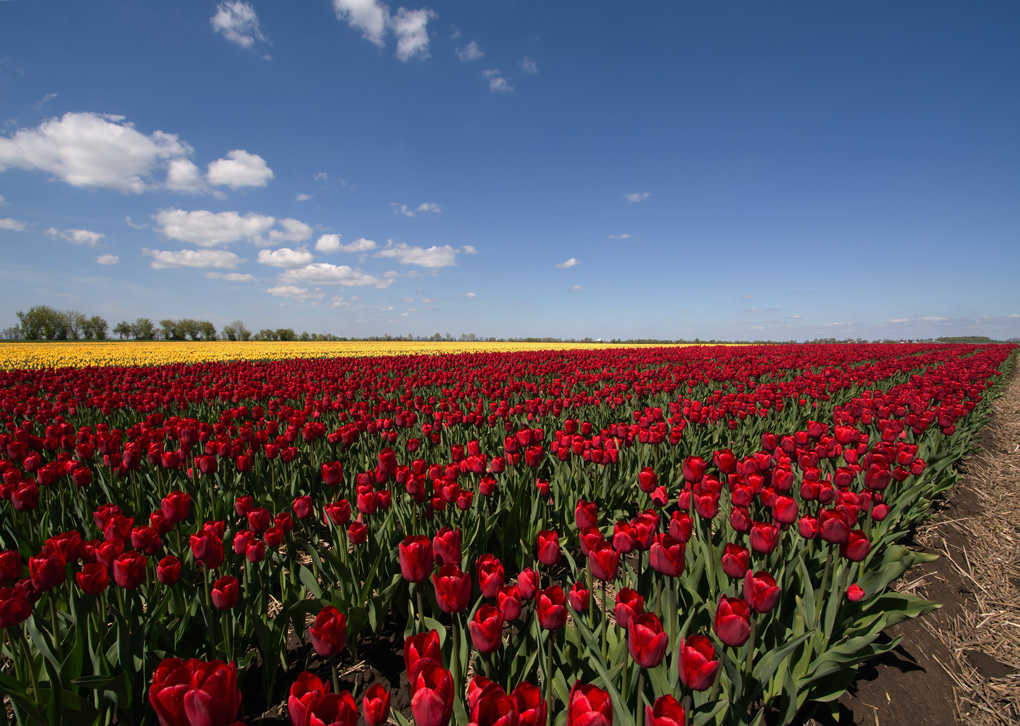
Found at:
(730, 170)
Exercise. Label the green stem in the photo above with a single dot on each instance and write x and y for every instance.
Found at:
(336, 676)
(548, 668)
(421, 611)
(638, 715)
(26, 653)
(605, 622)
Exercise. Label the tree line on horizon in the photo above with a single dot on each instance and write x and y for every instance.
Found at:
(45, 323)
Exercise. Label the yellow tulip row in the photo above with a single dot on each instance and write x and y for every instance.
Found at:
(78, 354)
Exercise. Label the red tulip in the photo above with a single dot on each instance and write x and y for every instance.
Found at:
(420, 649)
(416, 558)
(453, 588)
(14, 607)
(225, 592)
(307, 689)
(490, 575)
(548, 546)
(168, 571)
(681, 526)
(332, 709)
(375, 706)
(357, 533)
(589, 706)
(531, 707)
(760, 591)
(11, 566)
(578, 597)
(329, 634)
(332, 473)
(432, 695)
(303, 507)
(259, 519)
(339, 513)
(588, 538)
(735, 560)
(647, 480)
(667, 555)
(603, 561)
(854, 593)
(646, 640)
(733, 621)
(585, 514)
(176, 506)
(493, 707)
(510, 602)
(46, 572)
(93, 578)
(764, 537)
(552, 610)
(666, 711)
(446, 545)
(698, 668)
(527, 583)
(195, 693)
(856, 547)
(207, 549)
(486, 629)
(623, 537)
(629, 604)
(693, 469)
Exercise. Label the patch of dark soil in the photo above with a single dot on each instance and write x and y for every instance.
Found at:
(988, 666)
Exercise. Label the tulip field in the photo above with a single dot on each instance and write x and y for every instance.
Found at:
(634, 536)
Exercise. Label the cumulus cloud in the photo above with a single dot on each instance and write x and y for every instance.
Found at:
(637, 196)
(469, 250)
(528, 65)
(210, 229)
(3, 202)
(403, 209)
(230, 276)
(331, 243)
(322, 273)
(434, 257)
(108, 259)
(237, 22)
(293, 230)
(470, 52)
(619, 236)
(91, 151)
(301, 294)
(497, 83)
(14, 225)
(285, 257)
(374, 20)
(302, 197)
(239, 169)
(184, 176)
(429, 208)
(577, 287)
(77, 236)
(569, 263)
(470, 295)
(219, 259)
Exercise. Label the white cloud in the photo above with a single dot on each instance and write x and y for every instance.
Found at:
(209, 229)
(339, 301)
(13, 225)
(619, 236)
(220, 259)
(331, 243)
(237, 22)
(285, 257)
(470, 295)
(3, 202)
(429, 208)
(470, 52)
(302, 197)
(577, 287)
(301, 294)
(496, 82)
(130, 223)
(900, 320)
(399, 208)
(469, 250)
(239, 169)
(434, 257)
(637, 196)
(91, 150)
(528, 65)
(569, 263)
(230, 276)
(411, 29)
(293, 230)
(322, 273)
(77, 236)
(932, 319)
(108, 259)
(184, 176)
(374, 19)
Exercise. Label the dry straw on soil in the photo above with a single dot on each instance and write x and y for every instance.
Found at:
(983, 636)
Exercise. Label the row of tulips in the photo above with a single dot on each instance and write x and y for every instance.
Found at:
(737, 541)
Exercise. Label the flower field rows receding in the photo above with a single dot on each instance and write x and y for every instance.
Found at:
(649, 536)
(78, 354)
